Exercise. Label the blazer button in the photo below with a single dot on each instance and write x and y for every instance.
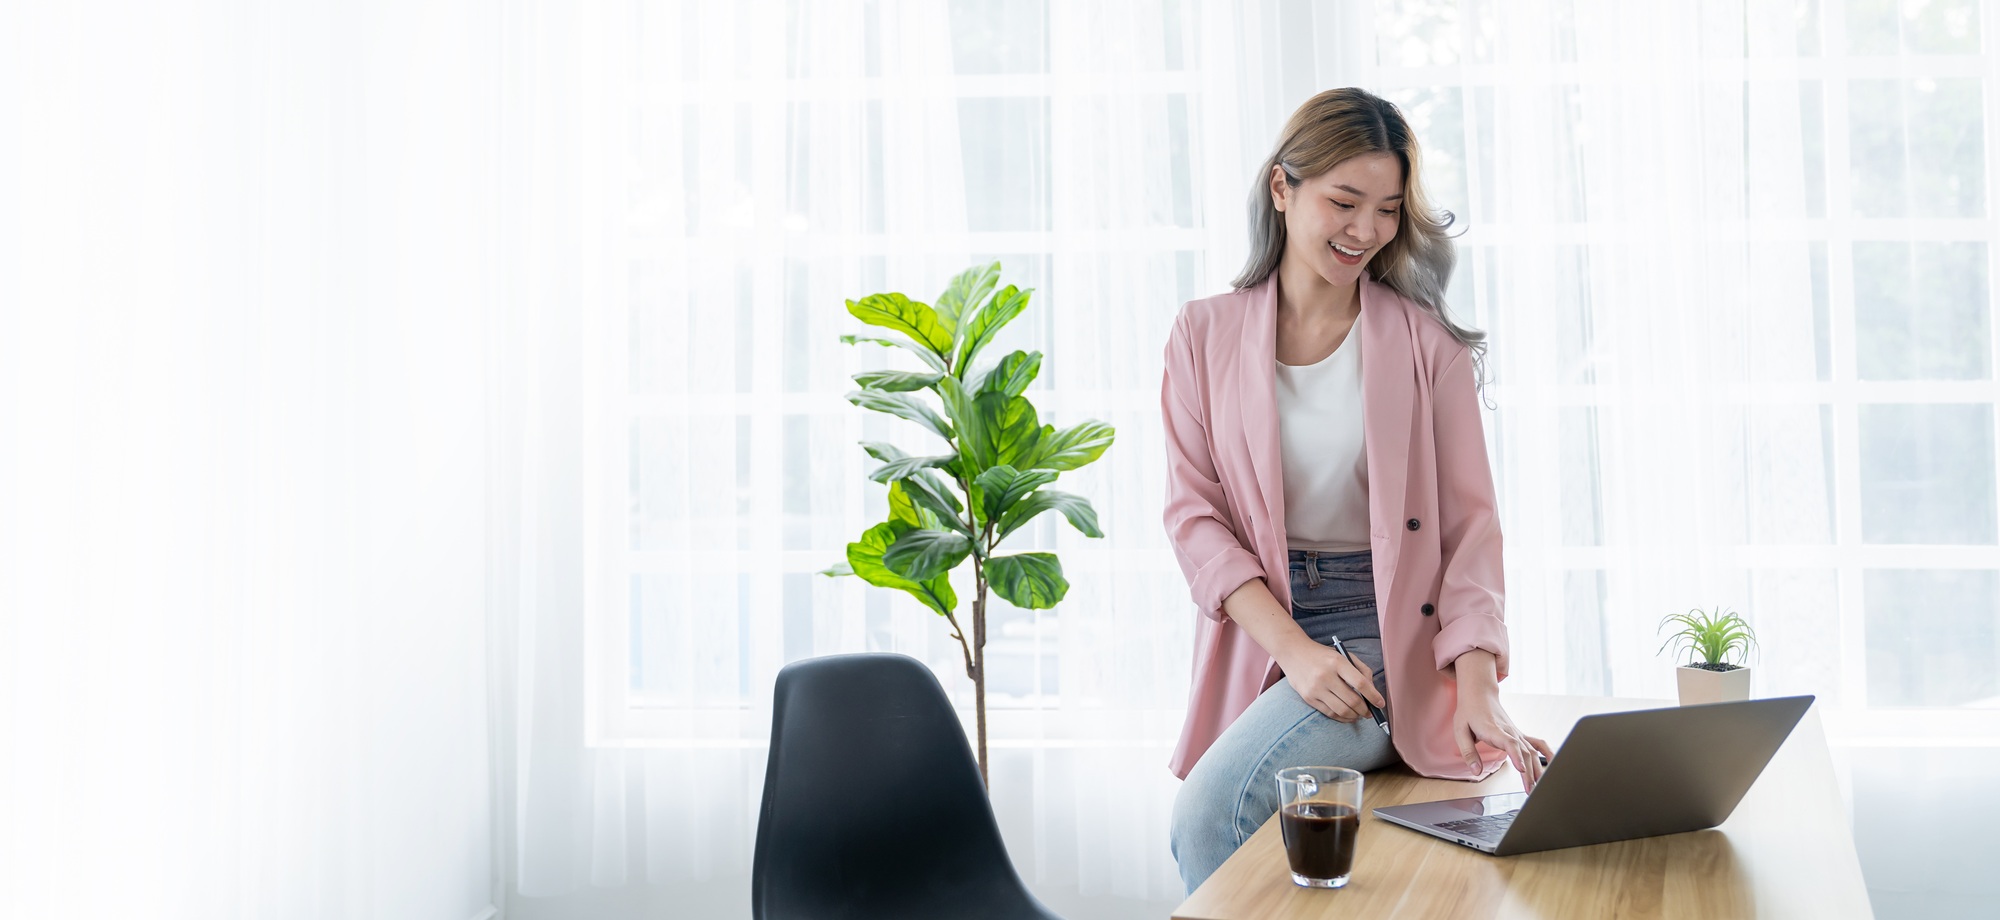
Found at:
(1412, 524)
(1428, 610)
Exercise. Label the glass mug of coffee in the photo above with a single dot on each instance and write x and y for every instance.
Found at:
(1319, 813)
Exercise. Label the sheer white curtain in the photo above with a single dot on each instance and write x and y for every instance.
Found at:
(1637, 249)
(705, 186)
(242, 273)
(1671, 236)
(1734, 259)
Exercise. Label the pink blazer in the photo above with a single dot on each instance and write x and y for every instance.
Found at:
(1432, 514)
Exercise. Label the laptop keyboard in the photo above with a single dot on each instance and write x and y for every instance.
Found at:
(1484, 827)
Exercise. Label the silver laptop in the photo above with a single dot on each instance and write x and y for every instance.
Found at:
(1623, 775)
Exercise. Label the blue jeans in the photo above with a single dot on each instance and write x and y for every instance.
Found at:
(1233, 789)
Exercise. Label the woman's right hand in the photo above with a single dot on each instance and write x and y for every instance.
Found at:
(1331, 682)
(1327, 680)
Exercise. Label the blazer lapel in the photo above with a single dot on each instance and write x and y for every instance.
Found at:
(1257, 391)
(1388, 381)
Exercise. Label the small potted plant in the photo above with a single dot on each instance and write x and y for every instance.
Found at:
(1714, 637)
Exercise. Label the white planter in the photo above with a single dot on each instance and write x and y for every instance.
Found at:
(1700, 686)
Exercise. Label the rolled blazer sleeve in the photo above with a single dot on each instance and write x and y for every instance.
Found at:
(1197, 512)
(1471, 596)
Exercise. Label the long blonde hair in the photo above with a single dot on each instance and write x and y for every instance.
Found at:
(1331, 128)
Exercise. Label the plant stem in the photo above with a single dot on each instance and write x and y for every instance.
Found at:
(979, 663)
(958, 632)
(975, 662)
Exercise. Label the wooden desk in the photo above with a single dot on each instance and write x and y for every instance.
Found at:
(1787, 851)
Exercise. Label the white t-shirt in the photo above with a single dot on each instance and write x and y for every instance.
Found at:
(1326, 469)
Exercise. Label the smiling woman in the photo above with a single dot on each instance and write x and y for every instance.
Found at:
(1309, 470)
(1369, 160)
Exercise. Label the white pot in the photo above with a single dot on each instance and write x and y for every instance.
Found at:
(1699, 686)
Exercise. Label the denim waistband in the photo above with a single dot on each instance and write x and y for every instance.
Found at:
(1357, 561)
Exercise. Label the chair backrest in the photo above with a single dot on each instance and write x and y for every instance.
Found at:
(872, 800)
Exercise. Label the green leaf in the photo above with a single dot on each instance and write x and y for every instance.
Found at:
(1032, 581)
(902, 509)
(883, 451)
(895, 381)
(937, 594)
(902, 405)
(964, 296)
(986, 324)
(921, 555)
(865, 556)
(1073, 447)
(975, 501)
(900, 313)
(930, 494)
(929, 357)
(903, 467)
(1075, 507)
(1713, 636)
(1013, 374)
(837, 569)
(965, 416)
(1002, 486)
(1009, 432)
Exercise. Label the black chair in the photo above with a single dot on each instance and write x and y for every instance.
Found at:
(872, 803)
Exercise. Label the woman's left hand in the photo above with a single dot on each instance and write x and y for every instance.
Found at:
(1480, 718)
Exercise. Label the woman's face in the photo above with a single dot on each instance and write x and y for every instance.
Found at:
(1355, 205)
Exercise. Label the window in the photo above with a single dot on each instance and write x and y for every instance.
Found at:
(1841, 166)
(767, 183)
(1735, 267)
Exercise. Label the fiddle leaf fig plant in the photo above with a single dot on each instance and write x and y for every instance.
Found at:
(959, 503)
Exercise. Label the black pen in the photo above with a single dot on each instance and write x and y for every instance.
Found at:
(1380, 719)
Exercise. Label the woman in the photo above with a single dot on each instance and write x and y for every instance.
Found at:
(1327, 477)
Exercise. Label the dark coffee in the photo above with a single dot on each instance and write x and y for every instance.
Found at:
(1319, 838)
